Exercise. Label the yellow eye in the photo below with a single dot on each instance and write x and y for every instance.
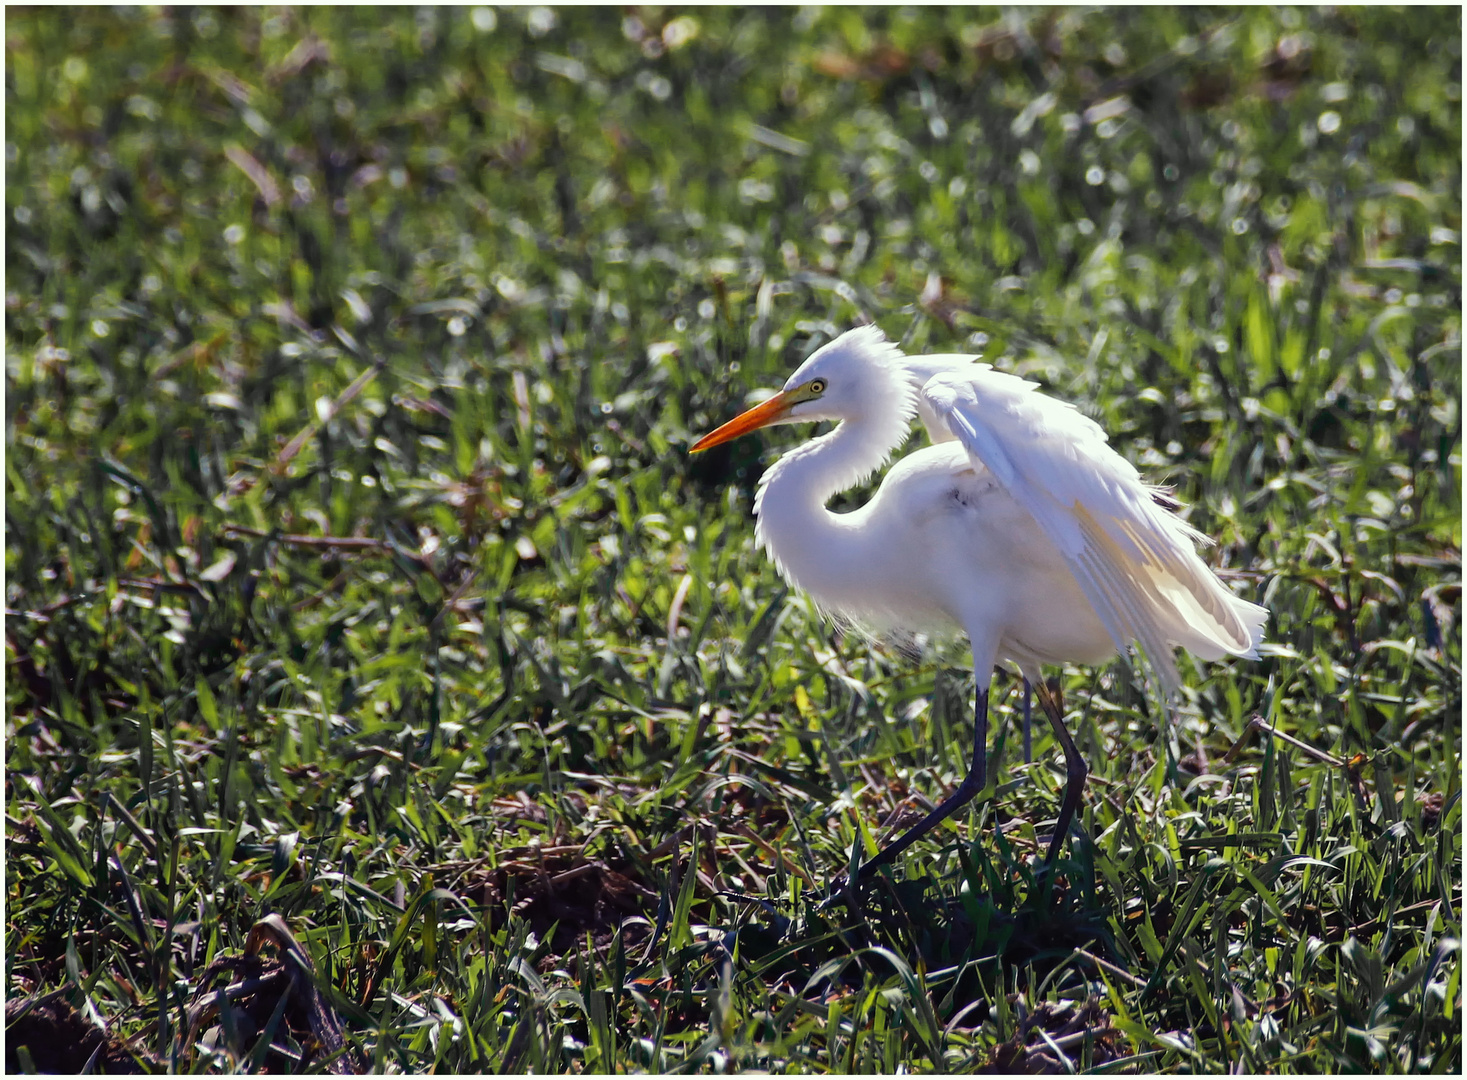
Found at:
(817, 386)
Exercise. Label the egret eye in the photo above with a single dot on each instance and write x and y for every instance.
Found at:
(817, 386)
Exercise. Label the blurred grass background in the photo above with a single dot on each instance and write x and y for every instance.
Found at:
(356, 572)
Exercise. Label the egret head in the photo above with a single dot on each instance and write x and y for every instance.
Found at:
(857, 375)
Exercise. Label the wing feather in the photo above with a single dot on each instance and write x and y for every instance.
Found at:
(1135, 561)
(920, 369)
(1144, 627)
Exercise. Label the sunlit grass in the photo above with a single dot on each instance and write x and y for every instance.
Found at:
(357, 574)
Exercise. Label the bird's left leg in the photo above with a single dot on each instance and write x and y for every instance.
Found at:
(1075, 770)
(1028, 717)
(972, 784)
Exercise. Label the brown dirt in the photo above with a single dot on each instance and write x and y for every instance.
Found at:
(58, 1039)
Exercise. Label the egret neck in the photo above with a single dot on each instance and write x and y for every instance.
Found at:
(822, 552)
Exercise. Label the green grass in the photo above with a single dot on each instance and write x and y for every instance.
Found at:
(356, 573)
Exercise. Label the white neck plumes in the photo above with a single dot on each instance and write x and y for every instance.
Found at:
(815, 549)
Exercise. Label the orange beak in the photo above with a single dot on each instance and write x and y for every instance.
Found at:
(761, 415)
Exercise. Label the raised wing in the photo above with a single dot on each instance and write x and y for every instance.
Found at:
(921, 369)
(1136, 562)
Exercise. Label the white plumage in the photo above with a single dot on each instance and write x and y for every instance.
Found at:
(1020, 525)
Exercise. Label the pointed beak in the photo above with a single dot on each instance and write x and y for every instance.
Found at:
(762, 415)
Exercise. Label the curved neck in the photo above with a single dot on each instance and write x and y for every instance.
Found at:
(816, 550)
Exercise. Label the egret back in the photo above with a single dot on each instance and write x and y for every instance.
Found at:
(1134, 560)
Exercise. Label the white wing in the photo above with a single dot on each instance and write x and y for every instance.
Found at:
(921, 369)
(1135, 561)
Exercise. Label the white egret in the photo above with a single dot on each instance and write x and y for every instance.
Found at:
(1020, 526)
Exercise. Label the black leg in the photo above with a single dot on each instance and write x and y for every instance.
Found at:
(1028, 715)
(1075, 772)
(972, 784)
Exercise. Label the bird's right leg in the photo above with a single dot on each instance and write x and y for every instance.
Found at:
(1075, 771)
(972, 784)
